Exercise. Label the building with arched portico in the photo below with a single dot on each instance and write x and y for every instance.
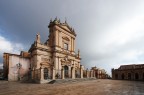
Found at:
(129, 72)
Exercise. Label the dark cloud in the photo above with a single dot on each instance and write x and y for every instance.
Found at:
(109, 33)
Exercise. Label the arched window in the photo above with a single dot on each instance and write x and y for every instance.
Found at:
(45, 73)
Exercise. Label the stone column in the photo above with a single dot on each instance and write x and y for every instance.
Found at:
(73, 44)
(91, 73)
(81, 71)
(53, 74)
(42, 74)
(94, 73)
(56, 64)
(56, 38)
(69, 72)
(73, 72)
(32, 74)
(62, 73)
(87, 73)
(58, 34)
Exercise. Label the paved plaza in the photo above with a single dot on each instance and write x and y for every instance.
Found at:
(92, 87)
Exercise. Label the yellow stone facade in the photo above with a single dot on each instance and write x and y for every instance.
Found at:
(44, 62)
(56, 58)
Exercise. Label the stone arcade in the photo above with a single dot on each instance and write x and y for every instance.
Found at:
(55, 59)
(129, 72)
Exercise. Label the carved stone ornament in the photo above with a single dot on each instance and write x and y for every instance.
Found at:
(45, 64)
(66, 61)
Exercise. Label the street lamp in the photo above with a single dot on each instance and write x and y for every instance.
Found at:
(19, 66)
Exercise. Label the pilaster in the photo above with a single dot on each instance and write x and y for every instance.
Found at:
(81, 71)
(87, 73)
(91, 73)
(73, 73)
(71, 44)
(53, 74)
(62, 73)
(42, 74)
(94, 73)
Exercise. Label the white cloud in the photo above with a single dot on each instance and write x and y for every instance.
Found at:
(9, 47)
(122, 32)
(120, 44)
(5, 45)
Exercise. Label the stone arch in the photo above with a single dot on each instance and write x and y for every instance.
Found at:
(116, 76)
(66, 73)
(136, 76)
(129, 76)
(46, 73)
(122, 76)
(77, 72)
(47, 69)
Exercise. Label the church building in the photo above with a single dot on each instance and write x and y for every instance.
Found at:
(54, 59)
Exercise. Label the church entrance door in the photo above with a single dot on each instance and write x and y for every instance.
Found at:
(66, 71)
(45, 73)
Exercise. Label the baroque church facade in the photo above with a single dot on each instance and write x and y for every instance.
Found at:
(55, 59)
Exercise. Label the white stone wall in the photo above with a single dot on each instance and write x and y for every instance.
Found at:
(14, 72)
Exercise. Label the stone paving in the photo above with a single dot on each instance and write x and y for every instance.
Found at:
(92, 87)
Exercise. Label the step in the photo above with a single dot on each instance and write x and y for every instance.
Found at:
(70, 80)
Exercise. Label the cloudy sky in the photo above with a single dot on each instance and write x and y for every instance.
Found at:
(110, 33)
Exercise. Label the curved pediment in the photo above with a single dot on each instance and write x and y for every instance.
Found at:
(66, 61)
(45, 64)
(66, 38)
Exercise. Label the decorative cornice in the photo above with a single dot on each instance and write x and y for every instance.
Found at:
(71, 32)
(58, 23)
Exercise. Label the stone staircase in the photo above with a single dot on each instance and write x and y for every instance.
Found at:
(59, 81)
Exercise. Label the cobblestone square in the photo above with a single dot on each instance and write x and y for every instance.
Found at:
(93, 87)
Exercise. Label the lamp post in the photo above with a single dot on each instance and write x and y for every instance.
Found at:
(19, 66)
